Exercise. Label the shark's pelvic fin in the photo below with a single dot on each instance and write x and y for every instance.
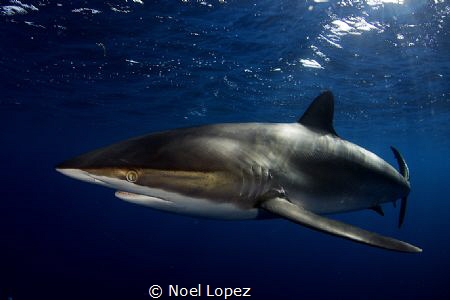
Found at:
(296, 214)
(319, 114)
(404, 170)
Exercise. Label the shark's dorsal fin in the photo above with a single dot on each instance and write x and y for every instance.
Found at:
(319, 114)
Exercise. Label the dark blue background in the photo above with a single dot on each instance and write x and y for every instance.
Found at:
(73, 80)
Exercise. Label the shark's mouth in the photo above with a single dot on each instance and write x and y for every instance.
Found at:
(128, 196)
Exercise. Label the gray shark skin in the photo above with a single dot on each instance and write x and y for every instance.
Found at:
(296, 171)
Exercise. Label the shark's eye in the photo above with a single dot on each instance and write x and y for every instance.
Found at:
(132, 176)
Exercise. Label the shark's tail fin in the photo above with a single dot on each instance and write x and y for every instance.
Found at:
(404, 170)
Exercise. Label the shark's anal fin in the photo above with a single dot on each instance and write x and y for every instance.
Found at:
(296, 214)
(378, 209)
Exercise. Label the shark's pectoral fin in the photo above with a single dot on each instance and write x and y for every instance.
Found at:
(296, 214)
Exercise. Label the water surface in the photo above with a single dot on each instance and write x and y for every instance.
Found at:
(77, 75)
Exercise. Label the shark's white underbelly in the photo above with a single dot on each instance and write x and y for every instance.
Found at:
(331, 205)
(177, 203)
(196, 207)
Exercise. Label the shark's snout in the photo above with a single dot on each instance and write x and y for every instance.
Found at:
(83, 175)
(73, 168)
(83, 161)
(76, 174)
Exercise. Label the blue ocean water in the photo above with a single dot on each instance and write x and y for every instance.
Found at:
(78, 75)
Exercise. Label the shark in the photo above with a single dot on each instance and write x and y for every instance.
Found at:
(301, 171)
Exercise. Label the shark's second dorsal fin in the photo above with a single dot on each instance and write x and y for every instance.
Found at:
(319, 114)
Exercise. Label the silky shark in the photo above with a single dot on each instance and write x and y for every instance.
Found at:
(298, 171)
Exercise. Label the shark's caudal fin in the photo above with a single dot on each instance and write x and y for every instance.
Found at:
(404, 170)
(294, 213)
